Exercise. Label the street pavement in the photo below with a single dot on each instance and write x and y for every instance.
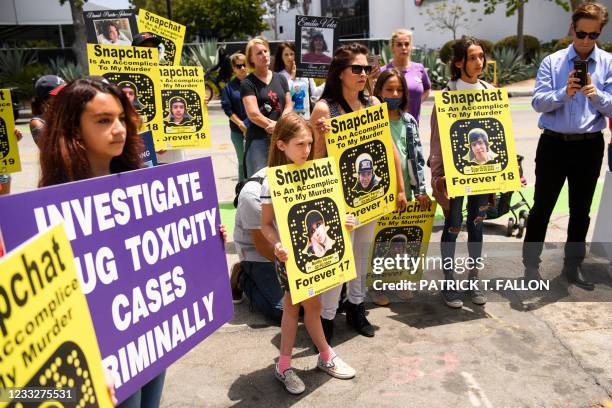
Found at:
(520, 350)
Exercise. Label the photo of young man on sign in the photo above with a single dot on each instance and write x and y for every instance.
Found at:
(131, 91)
(316, 49)
(178, 115)
(365, 174)
(479, 147)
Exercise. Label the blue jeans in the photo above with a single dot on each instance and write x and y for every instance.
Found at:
(238, 142)
(149, 396)
(257, 155)
(477, 211)
(260, 284)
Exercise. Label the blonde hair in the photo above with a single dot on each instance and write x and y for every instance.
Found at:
(235, 57)
(286, 129)
(250, 45)
(397, 33)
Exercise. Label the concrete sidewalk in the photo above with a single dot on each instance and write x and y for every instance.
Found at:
(549, 350)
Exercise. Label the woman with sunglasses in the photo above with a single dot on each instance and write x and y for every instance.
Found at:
(234, 109)
(344, 93)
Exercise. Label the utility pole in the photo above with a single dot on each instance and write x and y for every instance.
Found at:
(169, 7)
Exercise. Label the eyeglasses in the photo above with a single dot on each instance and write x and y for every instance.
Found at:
(240, 66)
(358, 69)
(582, 35)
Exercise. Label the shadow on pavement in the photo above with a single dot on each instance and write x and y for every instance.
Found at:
(261, 388)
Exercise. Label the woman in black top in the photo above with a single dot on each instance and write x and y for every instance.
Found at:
(233, 108)
(265, 95)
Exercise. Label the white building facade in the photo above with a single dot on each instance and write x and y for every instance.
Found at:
(544, 20)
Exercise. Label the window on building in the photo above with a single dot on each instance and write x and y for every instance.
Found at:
(353, 14)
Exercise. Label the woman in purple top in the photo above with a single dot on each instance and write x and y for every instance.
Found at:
(415, 74)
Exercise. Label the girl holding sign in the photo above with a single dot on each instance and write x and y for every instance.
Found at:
(292, 142)
(391, 88)
(91, 132)
(467, 64)
(344, 93)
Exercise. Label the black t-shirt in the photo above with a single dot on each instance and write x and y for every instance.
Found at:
(270, 99)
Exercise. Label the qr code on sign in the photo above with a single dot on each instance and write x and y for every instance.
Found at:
(310, 291)
(468, 189)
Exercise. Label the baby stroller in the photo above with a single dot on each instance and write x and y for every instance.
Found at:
(503, 204)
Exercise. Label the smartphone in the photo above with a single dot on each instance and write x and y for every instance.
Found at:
(581, 69)
(374, 60)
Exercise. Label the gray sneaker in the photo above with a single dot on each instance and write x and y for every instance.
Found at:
(290, 380)
(478, 298)
(452, 298)
(336, 368)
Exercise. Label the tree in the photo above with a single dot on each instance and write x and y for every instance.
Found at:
(274, 7)
(446, 15)
(220, 19)
(80, 35)
(513, 6)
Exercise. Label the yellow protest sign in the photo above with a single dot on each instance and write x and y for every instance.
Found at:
(9, 152)
(135, 71)
(361, 143)
(47, 334)
(308, 203)
(477, 142)
(170, 33)
(400, 245)
(185, 117)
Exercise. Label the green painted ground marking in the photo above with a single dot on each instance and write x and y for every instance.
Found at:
(228, 212)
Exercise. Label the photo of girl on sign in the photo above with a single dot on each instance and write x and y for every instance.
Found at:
(479, 147)
(316, 234)
(318, 240)
(113, 32)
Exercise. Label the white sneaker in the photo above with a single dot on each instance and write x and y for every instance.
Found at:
(293, 384)
(336, 368)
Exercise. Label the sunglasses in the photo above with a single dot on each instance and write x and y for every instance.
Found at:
(358, 69)
(582, 35)
(240, 66)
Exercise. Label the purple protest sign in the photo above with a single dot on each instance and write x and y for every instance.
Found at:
(149, 256)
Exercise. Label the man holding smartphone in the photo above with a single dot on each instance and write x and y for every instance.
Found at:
(573, 92)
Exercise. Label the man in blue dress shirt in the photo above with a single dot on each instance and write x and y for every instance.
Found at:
(571, 146)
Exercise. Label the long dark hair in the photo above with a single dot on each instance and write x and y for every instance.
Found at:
(62, 155)
(460, 49)
(343, 57)
(279, 64)
(384, 77)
